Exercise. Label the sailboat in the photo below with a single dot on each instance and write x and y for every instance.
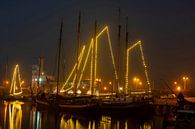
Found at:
(78, 104)
(16, 92)
(126, 102)
(43, 99)
(16, 89)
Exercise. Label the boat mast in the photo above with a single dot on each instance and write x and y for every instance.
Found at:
(126, 47)
(77, 54)
(39, 73)
(94, 59)
(6, 69)
(118, 51)
(59, 55)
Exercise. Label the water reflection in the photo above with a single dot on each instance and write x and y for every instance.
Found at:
(13, 115)
(35, 119)
(103, 122)
(46, 119)
(19, 115)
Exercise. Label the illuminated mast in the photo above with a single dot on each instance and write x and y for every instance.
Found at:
(94, 55)
(16, 82)
(139, 44)
(126, 87)
(40, 70)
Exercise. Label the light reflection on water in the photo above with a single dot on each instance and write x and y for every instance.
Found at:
(104, 122)
(19, 115)
(13, 115)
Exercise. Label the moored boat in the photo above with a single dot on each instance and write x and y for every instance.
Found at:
(124, 105)
(185, 114)
(80, 104)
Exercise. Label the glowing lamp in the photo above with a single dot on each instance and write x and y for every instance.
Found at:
(178, 88)
(89, 92)
(70, 92)
(120, 88)
(78, 91)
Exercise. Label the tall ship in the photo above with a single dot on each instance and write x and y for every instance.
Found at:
(79, 94)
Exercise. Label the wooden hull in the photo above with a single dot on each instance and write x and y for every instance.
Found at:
(19, 98)
(42, 102)
(125, 108)
(79, 108)
(94, 106)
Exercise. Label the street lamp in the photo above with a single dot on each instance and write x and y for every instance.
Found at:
(120, 88)
(111, 86)
(185, 79)
(105, 88)
(137, 82)
(178, 88)
(140, 83)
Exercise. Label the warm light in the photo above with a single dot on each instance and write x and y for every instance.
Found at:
(78, 91)
(83, 87)
(178, 88)
(14, 114)
(134, 79)
(94, 60)
(98, 80)
(120, 88)
(110, 83)
(40, 79)
(94, 48)
(42, 73)
(6, 82)
(71, 73)
(89, 92)
(185, 78)
(22, 83)
(175, 83)
(15, 83)
(140, 83)
(127, 65)
(105, 88)
(70, 92)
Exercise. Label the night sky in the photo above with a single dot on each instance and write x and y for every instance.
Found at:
(29, 29)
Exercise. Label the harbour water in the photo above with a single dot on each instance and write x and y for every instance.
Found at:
(24, 115)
